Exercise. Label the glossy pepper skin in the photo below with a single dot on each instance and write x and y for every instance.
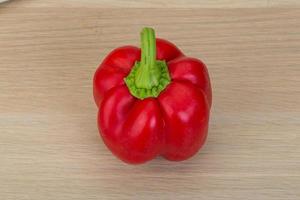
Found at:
(172, 123)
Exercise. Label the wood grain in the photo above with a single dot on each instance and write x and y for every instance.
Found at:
(49, 143)
(158, 3)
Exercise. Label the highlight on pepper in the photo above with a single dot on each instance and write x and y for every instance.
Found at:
(153, 101)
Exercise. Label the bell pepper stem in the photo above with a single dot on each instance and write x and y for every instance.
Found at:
(148, 46)
(149, 76)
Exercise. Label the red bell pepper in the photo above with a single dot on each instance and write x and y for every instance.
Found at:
(152, 101)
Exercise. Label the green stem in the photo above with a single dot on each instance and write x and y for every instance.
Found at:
(149, 76)
(148, 46)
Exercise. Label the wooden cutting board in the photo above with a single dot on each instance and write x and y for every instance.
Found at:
(49, 142)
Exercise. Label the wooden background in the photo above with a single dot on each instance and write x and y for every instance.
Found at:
(49, 143)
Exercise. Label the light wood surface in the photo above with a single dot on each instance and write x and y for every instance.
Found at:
(158, 3)
(49, 143)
